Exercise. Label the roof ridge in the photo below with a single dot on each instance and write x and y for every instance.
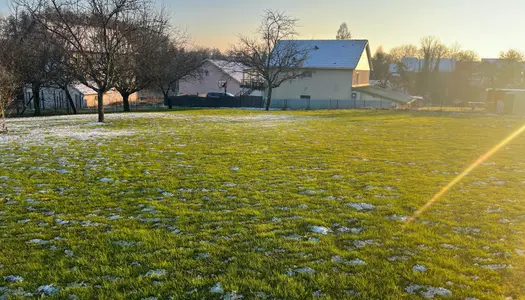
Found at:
(330, 40)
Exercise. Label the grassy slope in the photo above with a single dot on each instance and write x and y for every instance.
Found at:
(185, 209)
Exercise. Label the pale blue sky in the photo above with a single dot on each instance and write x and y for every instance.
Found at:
(486, 26)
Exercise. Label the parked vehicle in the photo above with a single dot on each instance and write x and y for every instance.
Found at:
(218, 95)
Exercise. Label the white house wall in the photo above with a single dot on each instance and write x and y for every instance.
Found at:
(323, 85)
(54, 98)
(364, 63)
(372, 101)
(209, 82)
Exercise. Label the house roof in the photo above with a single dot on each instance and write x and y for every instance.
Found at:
(232, 69)
(85, 90)
(332, 54)
(414, 64)
(384, 93)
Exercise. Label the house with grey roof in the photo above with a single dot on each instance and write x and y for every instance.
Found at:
(336, 75)
(217, 75)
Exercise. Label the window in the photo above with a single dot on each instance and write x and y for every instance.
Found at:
(207, 73)
(305, 97)
(357, 79)
(307, 74)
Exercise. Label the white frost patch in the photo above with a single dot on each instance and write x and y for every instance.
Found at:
(306, 270)
(38, 242)
(398, 218)
(321, 230)
(428, 292)
(520, 252)
(45, 130)
(355, 262)
(361, 206)
(396, 258)
(314, 240)
(419, 268)
(217, 289)
(232, 296)
(48, 289)
(495, 267)
(13, 278)
(308, 192)
(106, 180)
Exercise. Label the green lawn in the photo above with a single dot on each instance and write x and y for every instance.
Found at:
(224, 204)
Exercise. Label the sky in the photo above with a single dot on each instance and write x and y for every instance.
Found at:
(486, 26)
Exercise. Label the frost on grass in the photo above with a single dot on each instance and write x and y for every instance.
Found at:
(217, 289)
(305, 270)
(354, 262)
(419, 268)
(321, 230)
(13, 278)
(48, 289)
(50, 130)
(495, 267)
(428, 292)
(361, 206)
(38, 242)
(232, 296)
(397, 218)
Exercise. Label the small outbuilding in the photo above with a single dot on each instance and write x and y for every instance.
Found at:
(506, 101)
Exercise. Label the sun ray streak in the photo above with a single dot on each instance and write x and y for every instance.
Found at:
(467, 171)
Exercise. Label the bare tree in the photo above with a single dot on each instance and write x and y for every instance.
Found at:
(92, 32)
(467, 56)
(274, 55)
(135, 66)
(34, 56)
(432, 52)
(343, 33)
(401, 59)
(382, 70)
(512, 55)
(175, 63)
(10, 84)
(10, 87)
(512, 68)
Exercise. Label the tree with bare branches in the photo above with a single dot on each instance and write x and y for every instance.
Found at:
(10, 83)
(382, 71)
(176, 63)
(400, 59)
(135, 66)
(93, 34)
(34, 59)
(432, 52)
(274, 55)
(343, 33)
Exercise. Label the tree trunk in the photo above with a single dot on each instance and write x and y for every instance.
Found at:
(269, 99)
(70, 100)
(100, 107)
(36, 99)
(125, 101)
(168, 100)
(3, 126)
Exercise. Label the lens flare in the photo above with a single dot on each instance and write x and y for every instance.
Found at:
(467, 171)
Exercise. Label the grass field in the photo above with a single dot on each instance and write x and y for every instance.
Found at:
(230, 204)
